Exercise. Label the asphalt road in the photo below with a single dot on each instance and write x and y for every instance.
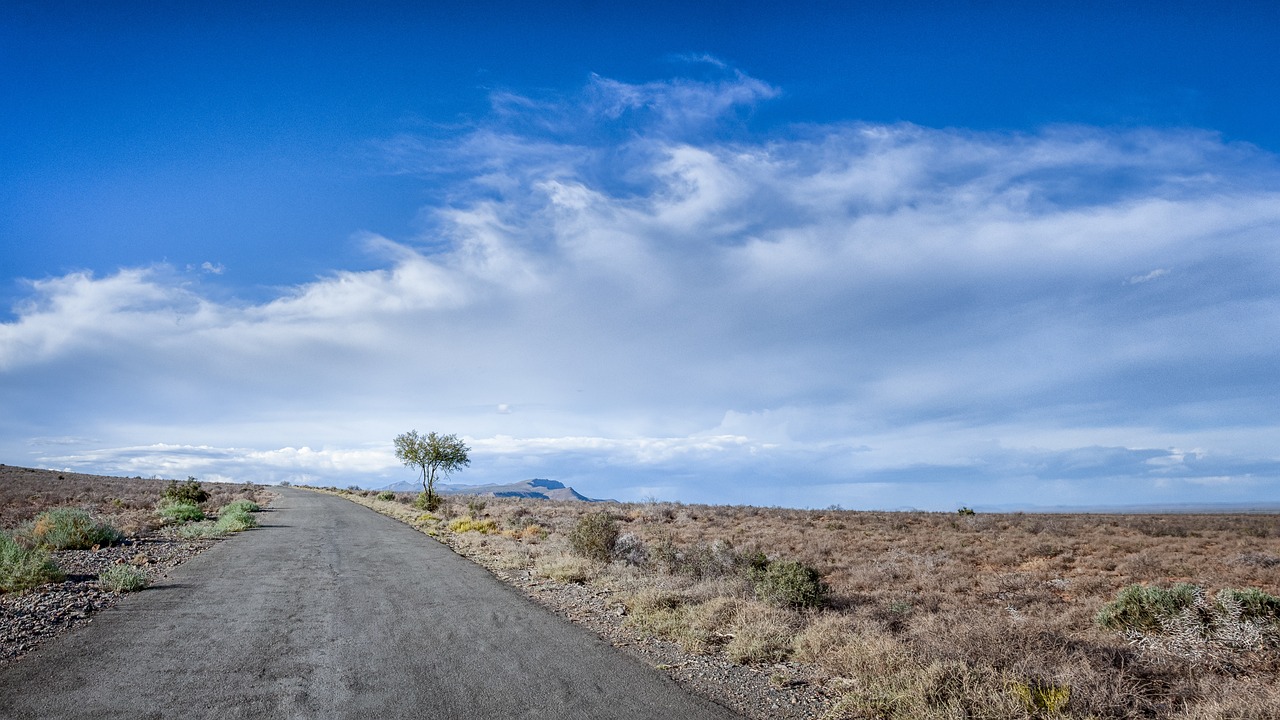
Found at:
(333, 611)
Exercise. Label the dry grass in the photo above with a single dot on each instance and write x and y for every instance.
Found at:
(129, 504)
(929, 615)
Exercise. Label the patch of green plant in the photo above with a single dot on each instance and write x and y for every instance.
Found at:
(235, 520)
(429, 502)
(241, 505)
(70, 529)
(123, 578)
(386, 495)
(788, 583)
(1037, 697)
(24, 568)
(966, 511)
(476, 506)
(593, 536)
(1254, 603)
(189, 492)
(1142, 607)
(179, 512)
(468, 524)
(204, 530)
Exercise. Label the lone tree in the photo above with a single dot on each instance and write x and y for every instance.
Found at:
(436, 455)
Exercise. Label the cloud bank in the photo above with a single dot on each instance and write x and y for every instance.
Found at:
(632, 291)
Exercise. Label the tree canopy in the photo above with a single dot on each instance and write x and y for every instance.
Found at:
(434, 454)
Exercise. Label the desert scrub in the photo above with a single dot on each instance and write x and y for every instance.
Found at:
(565, 569)
(187, 493)
(24, 568)
(248, 506)
(70, 529)
(235, 519)
(386, 495)
(123, 579)
(1143, 608)
(204, 530)
(175, 511)
(788, 583)
(468, 524)
(593, 536)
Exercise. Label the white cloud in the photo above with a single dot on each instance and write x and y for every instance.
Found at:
(828, 307)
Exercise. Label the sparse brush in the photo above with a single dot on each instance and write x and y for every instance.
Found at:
(564, 569)
(189, 492)
(593, 536)
(468, 524)
(25, 568)
(122, 579)
(233, 520)
(70, 529)
(241, 506)
(1142, 607)
(175, 511)
(205, 530)
(386, 495)
(791, 584)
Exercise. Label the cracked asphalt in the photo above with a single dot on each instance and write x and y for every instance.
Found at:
(333, 611)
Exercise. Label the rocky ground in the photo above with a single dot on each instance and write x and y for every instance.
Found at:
(32, 617)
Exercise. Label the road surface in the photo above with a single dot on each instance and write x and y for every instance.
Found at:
(333, 611)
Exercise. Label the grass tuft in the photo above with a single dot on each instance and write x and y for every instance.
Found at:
(123, 579)
(24, 568)
(70, 529)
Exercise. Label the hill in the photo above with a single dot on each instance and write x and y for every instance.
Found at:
(537, 489)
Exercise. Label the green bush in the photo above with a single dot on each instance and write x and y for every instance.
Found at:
(122, 579)
(22, 568)
(179, 512)
(1254, 603)
(188, 492)
(242, 505)
(235, 520)
(429, 502)
(1143, 607)
(386, 495)
(70, 529)
(593, 536)
(791, 584)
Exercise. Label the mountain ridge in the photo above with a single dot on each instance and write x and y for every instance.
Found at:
(534, 488)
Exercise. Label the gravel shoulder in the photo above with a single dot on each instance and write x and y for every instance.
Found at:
(29, 619)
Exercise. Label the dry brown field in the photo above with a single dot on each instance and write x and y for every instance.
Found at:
(928, 614)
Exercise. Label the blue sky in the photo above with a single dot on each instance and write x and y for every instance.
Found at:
(881, 255)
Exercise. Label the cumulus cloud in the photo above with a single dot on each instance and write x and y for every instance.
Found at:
(845, 311)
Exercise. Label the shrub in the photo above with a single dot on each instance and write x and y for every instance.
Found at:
(179, 512)
(22, 568)
(71, 529)
(188, 492)
(476, 506)
(1253, 603)
(241, 506)
(631, 549)
(235, 520)
(122, 579)
(593, 536)
(427, 501)
(1142, 608)
(564, 569)
(791, 584)
(386, 495)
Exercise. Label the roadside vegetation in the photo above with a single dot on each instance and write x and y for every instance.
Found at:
(922, 615)
(44, 513)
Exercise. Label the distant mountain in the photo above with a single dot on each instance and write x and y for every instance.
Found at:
(537, 488)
